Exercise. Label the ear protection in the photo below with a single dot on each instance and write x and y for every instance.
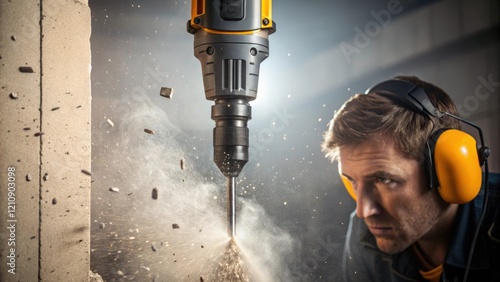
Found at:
(452, 158)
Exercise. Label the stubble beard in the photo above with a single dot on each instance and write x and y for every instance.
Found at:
(411, 226)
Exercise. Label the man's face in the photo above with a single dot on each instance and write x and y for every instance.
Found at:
(392, 193)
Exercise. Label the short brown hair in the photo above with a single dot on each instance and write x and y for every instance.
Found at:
(364, 117)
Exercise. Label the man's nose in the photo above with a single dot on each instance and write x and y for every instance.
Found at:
(366, 201)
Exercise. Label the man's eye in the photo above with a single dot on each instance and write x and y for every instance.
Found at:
(384, 180)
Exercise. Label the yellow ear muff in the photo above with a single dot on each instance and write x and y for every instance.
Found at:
(457, 166)
(348, 186)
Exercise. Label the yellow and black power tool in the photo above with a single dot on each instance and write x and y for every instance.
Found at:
(231, 40)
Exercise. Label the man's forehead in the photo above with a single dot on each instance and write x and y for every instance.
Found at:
(374, 157)
(368, 149)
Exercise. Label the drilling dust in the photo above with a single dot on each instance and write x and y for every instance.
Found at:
(166, 222)
(231, 266)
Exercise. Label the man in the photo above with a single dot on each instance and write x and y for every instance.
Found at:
(405, 228)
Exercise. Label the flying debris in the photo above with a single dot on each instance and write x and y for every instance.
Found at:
(114, 189)
(26, 69)
(167, 92)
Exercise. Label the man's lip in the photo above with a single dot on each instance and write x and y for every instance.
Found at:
(380, 230)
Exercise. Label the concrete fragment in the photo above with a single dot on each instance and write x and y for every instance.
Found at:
(26, 69)
(110, 122)
(45, 177)
(166, 92)
(175, 226)
(13, 95)
(94, 277)
(114, 189)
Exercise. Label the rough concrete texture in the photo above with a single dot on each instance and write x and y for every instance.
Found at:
(19, 148)
(45, 140)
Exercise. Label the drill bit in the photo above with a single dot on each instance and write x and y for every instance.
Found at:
(231, 206)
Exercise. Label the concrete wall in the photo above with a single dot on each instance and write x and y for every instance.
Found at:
(45, 140)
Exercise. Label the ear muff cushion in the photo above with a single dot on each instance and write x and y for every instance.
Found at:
(457, 167)
(348, 187)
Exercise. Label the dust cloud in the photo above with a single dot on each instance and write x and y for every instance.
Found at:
(166, 220)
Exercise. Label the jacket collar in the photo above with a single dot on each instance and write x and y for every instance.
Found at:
(462, 236)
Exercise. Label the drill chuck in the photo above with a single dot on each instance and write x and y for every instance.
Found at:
(231, 135)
